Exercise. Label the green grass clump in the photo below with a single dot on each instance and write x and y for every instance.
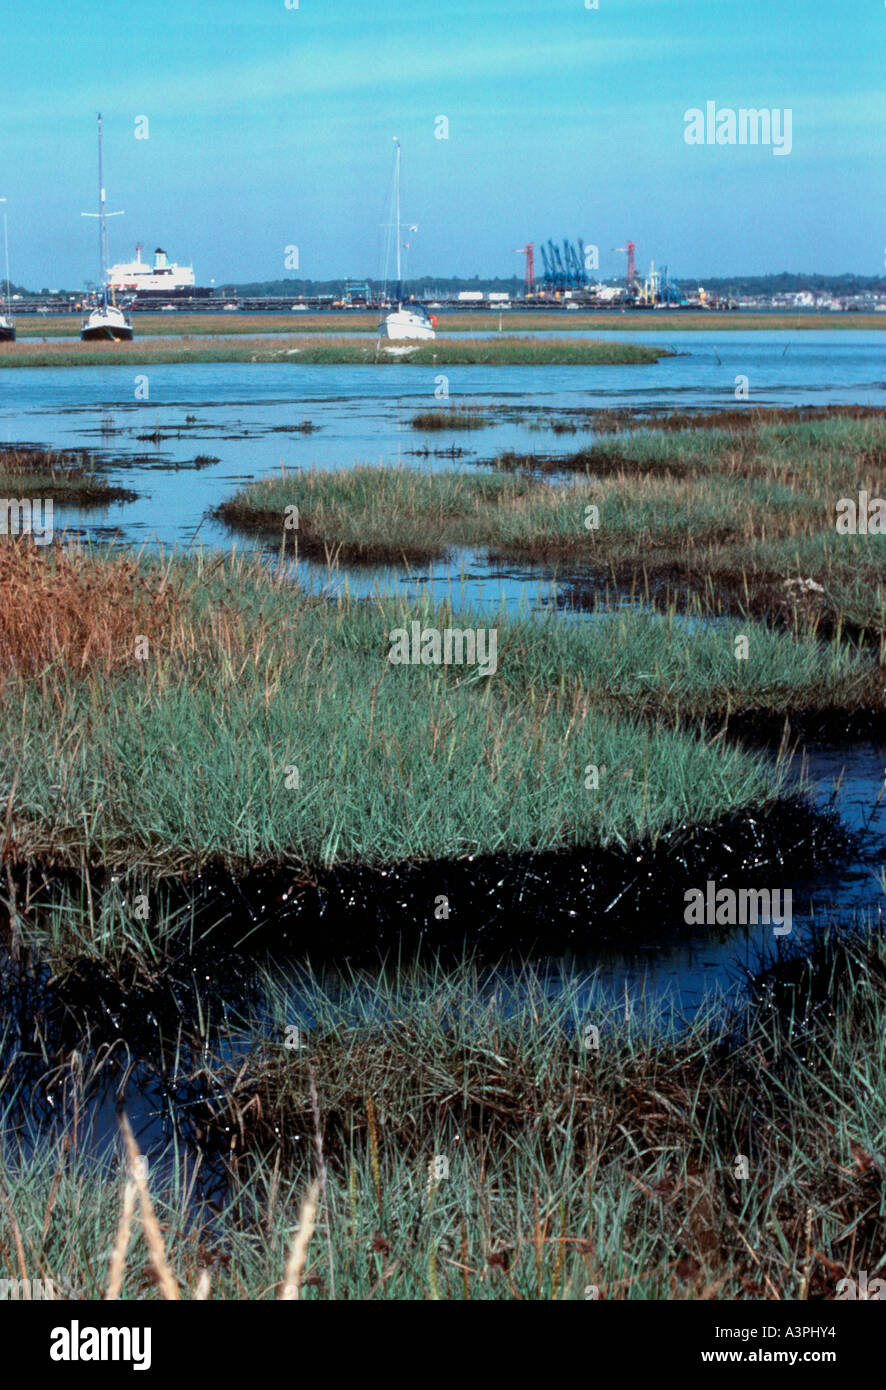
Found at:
(451, 417)
(745, 519)
(188, 757)
(231, 719)
(238, 721)
(745, 514)
(628, 419)
(70, 479)
(830, 449)
(371, 514)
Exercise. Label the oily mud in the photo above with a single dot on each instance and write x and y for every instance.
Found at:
(546, 901)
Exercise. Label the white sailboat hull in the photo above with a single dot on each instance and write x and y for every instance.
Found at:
(108, 322)
(405, 325)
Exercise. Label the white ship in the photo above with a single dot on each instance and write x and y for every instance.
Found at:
(164, 277)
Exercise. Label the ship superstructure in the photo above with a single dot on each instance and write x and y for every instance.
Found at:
(162, 280)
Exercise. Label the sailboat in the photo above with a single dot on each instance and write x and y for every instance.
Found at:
(410, 321)
(105, 320)
(7, 322)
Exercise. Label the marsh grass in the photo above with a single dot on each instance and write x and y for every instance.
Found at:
(78, 612)
(70, 478)
(451, 417)
(332, 350)
(179, 749)
(601, 420)
(809, 464)
(370, 514)
(816, 453)
(155, 712)
(571, 1168)
(743, 520)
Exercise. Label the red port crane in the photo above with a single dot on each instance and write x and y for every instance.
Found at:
(528, 251)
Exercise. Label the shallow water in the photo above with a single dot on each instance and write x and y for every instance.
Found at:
(687, 969)
(363, 414)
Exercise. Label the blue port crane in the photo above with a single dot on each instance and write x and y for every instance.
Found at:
(566, 270)
(669, 289)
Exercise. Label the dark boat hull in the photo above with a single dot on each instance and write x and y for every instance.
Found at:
(7, 335)
(117, 335)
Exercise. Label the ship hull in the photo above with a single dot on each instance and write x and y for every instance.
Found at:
(142, 296)
(7, 335)
(105, 333)
(106, 323)
(403, 325)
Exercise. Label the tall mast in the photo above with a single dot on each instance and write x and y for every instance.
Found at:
(6, 254)
(397, 225)
(102, 226)
(102, 216)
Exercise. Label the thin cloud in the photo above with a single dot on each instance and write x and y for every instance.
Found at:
(313, 71)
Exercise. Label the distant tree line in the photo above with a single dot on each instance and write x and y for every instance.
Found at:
(785, 282)
(788, 283)
(33, 294)
(434, 286)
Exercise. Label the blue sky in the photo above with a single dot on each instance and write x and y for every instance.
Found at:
(272, 127)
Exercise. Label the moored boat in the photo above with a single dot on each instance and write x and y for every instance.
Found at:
(104, 320)
(7, 322)
(409, 321)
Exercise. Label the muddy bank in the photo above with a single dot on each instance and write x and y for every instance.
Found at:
(792, 603)
(841, 728)
(548, 901)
